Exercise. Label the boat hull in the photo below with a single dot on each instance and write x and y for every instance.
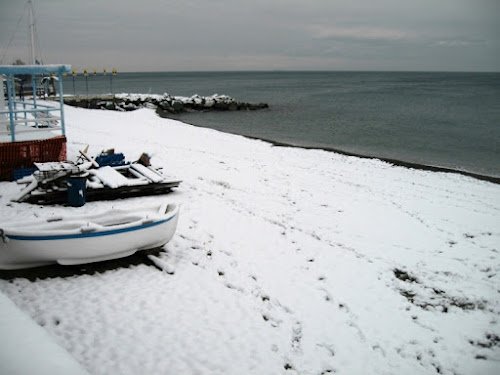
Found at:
(91, 243)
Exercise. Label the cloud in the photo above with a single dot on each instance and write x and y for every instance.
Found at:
(458, 42)
(357, 32)
(255, 34)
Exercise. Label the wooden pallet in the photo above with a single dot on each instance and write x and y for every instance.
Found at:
(60, 196)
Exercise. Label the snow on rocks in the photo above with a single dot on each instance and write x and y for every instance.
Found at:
(164, 104)
(287, 261)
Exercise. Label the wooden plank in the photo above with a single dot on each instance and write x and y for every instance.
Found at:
(94, 163)
(60, 196)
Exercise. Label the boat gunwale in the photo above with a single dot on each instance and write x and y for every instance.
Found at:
(80, 235)
(90, 228)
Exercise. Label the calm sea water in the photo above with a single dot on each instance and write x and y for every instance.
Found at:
(449, 120)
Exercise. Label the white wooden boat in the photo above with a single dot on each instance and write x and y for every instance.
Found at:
(87, 238)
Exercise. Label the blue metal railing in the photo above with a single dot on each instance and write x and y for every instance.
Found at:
(36, 111)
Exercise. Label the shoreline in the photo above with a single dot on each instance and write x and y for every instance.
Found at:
(197, 103)
(396, 162)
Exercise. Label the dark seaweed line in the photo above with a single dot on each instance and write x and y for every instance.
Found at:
(396, 162)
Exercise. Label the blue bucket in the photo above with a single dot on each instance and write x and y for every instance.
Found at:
(77, 190)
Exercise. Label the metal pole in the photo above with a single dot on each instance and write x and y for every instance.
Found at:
(86, 75)
(113, 73)
(33, 84)
(9, 95)
(73, 73)
(2, 100)
(61, 103)
(32, 33)
(13, 93)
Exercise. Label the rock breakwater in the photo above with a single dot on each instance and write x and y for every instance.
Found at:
(164, 104)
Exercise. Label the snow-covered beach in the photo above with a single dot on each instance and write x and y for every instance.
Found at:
(285, 261)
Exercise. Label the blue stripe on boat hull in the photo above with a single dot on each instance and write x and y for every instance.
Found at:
(87, 235)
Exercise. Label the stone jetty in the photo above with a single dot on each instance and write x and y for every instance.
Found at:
(164, 104)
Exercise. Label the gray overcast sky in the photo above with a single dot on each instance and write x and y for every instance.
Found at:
(185, 35)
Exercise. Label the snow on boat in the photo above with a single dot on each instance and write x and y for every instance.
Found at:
(90, 238)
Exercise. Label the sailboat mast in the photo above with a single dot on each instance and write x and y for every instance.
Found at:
(32, 33)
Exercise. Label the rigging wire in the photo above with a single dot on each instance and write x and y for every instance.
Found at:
(13, 34)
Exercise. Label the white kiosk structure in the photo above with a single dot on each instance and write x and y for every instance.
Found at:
(29, 131)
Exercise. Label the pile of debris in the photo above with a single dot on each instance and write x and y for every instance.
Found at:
(106, 177)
